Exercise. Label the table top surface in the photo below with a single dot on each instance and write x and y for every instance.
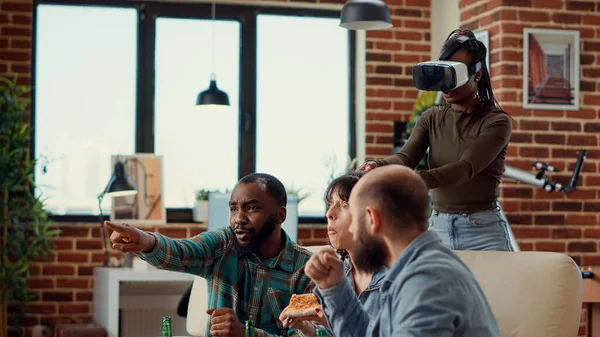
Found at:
(591, 288)
(150, 274)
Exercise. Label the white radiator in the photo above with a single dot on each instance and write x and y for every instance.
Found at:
(146, 322)
(144, 305)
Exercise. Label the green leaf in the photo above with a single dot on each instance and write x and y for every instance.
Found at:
(53, 233)
(25, 231)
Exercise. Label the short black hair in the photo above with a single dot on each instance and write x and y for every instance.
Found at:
(342, 186)
(274, 187)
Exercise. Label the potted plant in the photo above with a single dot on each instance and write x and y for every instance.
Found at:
(300, 195)
(25, 231)
(425, 100)
(333, 172)
(200, 211)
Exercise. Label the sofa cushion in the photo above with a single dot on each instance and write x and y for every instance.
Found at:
(532, 294)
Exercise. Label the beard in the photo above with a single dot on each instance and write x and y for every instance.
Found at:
(258, 238)
(369, 252)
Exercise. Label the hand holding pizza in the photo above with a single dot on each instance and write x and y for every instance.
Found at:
(300, 323)
(325, 268)
(300, 311)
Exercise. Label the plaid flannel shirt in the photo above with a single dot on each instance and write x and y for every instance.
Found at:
(254, 289)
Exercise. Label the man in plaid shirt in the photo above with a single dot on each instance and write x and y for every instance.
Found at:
(252, 266)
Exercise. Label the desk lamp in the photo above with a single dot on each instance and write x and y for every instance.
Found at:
(119, 185)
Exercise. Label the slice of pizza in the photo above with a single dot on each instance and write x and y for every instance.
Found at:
(302, 306)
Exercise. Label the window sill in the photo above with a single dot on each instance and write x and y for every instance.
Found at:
(174, 215)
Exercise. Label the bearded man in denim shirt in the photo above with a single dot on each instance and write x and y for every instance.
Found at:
(428, 290)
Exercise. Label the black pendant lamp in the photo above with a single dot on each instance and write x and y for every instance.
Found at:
(212, 97)
(365, 15)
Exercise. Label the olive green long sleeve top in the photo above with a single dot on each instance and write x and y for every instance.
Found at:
(466, 156)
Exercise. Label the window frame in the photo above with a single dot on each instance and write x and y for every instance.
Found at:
(148, 12)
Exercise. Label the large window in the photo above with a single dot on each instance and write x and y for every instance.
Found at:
(302, 103)
(111, 80)
(199, 147)
(85, 92)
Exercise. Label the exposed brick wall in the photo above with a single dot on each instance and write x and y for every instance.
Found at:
(390, 57)
(15, 39)
(543, 221)
(583, 324)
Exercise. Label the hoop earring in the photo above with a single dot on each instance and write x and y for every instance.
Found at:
(476, 93)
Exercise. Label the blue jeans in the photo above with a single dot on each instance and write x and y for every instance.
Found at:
(484, 230)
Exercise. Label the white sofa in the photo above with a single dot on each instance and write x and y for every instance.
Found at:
(532, 294)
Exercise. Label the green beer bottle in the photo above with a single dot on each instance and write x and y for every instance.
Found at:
(166, 327)
(320, 332)
(250, 328)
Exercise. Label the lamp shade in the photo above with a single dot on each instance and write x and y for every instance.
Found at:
(212, 97)
(119, 184)
(365, 15)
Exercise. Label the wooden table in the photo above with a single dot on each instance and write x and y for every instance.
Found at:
(591, 296)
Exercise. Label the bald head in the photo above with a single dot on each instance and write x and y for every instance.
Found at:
(398, 193)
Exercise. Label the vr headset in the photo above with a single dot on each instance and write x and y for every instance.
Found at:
(444, 75)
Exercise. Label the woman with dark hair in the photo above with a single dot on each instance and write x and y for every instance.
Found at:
(467, 141)
(366, 285)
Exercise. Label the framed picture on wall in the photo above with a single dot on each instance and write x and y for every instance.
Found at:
(145, 173)
(550, 69)
(484, 37)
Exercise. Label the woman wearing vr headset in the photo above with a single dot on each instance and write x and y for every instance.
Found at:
(467, 141)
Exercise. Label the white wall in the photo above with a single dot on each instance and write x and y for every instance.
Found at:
(445, 17)
(361, 96)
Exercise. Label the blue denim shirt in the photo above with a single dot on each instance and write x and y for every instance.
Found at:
(369, 299)
(428, 292)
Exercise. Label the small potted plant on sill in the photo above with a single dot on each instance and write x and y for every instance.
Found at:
(425, 100)
(299, 192)
(200, 211)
